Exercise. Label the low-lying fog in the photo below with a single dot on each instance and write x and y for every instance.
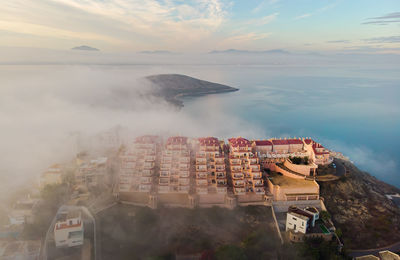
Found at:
(48, 98)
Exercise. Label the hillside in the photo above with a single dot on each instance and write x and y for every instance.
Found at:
(173, 86)
(360, 209)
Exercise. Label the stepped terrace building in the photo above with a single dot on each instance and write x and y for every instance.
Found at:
(244, 166)
(138, 165)
(210, 167)
(174, 174)
(53, 175)
(319, 154)
(93, 172)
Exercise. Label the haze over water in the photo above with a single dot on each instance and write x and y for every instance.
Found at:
(352, 111)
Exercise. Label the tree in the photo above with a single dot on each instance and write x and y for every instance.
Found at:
(324, 215)
(230, 252)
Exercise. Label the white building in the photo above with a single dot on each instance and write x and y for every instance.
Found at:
(68, 230)
(21, 212)
(300, 220)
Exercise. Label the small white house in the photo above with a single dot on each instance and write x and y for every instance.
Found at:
(68, 231)
(297, 222)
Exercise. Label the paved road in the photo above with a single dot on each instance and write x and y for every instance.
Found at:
(394, 248)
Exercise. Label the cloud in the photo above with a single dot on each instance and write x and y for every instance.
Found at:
(339, 41)
(389, 39)
(320, 10)
(116, 22)
(384, 20)
(302, 16)
(262, 5)
(263, 20)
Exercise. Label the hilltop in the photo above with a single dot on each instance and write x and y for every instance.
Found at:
(84, 48)
(173, 86)
(359, 208)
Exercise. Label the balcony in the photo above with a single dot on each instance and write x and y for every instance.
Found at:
(238, 183)
(183, 189)
(150, 158)
(184, 160)
(255, 168)
(184, 181)
(259, 190)
(237, 175)
(221, 175)
(184, 174)
(145, 180)
(239, 191)
(201, 175)
(258, 183)
(220, 161)
(221, 190)
(201, 182)
(201, 168)
(235, 161)
(149, 165)
(144, 188)
(201, 190)
(165, 166)
(163, 189)
(164, 173)
(256, 175)
(147, 173)
(221, 182)
(164, 181)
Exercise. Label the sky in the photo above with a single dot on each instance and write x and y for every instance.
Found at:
(366, 26)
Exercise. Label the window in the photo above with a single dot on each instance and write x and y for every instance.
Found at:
(302, 223)
(294, 218)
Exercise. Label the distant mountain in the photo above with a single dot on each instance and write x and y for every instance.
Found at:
(234, 51)
(157, 52)
(173, 86)
(85, 48)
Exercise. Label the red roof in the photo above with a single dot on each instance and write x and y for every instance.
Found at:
(319, 146)
(239, 142)
(263, 143)
(308, 141)
(295, 141)
(279, 142)
(177, 140)
(208, 141)
(146, 139)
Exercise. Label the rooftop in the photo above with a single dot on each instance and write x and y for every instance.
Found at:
(177, 140)
(146, 139)
(208, 141)
(278, 179)
(239, 142)
(262, 143)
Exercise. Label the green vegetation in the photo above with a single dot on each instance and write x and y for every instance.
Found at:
(299, 160)
(324, 215)
(318, 248)
(213, 233)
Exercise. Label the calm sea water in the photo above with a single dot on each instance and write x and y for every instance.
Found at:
(353, 111)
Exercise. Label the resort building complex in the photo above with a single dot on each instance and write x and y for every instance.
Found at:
(53, 175)
(207, 171)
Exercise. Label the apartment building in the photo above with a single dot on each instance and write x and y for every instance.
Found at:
(210, 167)
(137, 167)
(93, 172)
(53, 175)
(244, 166)
(174, 176)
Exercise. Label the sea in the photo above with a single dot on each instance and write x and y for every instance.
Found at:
(352, 111)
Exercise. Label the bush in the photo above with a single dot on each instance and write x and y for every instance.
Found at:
(230, 252)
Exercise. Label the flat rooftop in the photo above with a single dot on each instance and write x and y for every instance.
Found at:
(278, 179)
